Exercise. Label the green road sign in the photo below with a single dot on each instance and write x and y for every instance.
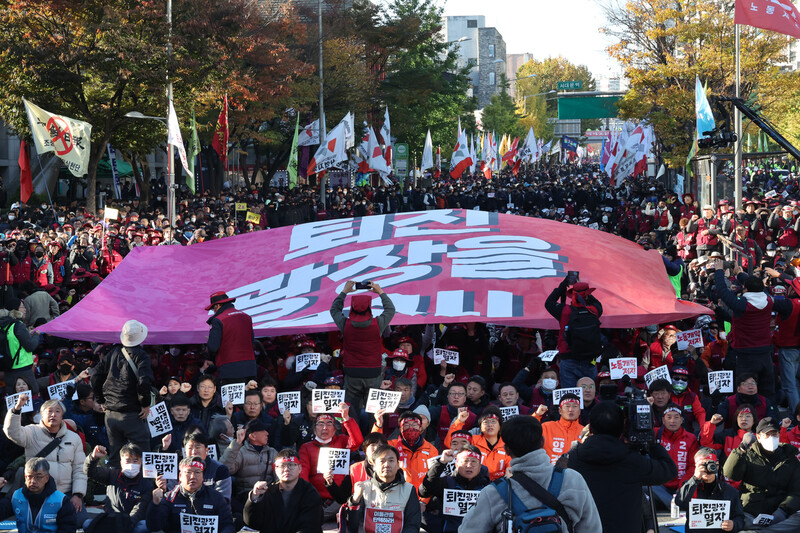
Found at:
(401, 160)
(570, 85)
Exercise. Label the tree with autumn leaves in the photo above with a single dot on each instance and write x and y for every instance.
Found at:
(663, 45)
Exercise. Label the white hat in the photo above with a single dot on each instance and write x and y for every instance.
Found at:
(133, 333)
(708, 206)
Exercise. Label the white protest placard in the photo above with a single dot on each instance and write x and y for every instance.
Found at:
(11, 401)
(771, 194)
(58, 391)
(233, 393)
(440, 354)
(383, 399)
(623, 366)
(290, 401)
(548, 356)
(326, 400)
(594, 225)
(763, 519)
(195, 523)
(212, 451)
(449, 468)
(160, 464)
(458, 502)
(510, 411)
(785, 194)
(558, 393)
(720, 381)
(690, 337)
(708, 514)
(306, 361)
(158, 420)
(661, 372)
(333, 460)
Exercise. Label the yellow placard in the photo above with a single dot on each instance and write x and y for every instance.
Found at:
(255, 218)
(241, 206)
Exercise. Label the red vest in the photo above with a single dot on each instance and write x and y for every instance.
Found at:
(708, 239)
(752, 329)
(358, 472)
(362, 347)
(58, 264)
(237, 337)
(22, 270)
(664, 220)
(733, 405)
(40, 278)
(787, 334)
(787, 236)
(444, 423)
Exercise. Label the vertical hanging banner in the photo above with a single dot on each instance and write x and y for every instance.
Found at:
(112, 158)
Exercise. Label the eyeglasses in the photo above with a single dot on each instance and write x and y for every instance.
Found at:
(587, 386)
(286, 466)
(456, 394)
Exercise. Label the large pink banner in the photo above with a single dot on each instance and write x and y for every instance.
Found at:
(437, 267)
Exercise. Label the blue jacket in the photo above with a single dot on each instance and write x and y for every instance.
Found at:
(166, 515)
(50, 511)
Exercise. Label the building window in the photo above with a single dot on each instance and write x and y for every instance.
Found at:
(472, 23)
(491, 78)
(472, 62)
(491, 50)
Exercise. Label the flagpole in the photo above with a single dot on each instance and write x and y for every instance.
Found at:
(738, 124)
(322, 126)
(46, 186)
(170, 153)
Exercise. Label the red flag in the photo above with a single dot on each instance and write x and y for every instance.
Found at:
(220, 142)
(25, 178)
(781, 17)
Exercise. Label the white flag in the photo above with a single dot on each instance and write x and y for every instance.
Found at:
(386, 133)
(472, 154)
(310, 135)
(528, 150)
(349, 131)
(427, 153)
(376, 160)
(174, 138)
(67, 137)
(330, 152)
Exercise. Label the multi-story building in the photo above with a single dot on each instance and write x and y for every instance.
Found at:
(513, 63)
(481, 49)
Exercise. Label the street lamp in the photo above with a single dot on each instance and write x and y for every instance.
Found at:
(525, 100)
(170, 164)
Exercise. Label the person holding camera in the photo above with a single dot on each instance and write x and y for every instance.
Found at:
(706, 484)
(362, 343)
(616, 472)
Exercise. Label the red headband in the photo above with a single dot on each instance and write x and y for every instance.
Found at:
(470, 454)
(711, 457)
(570, 400)
(289, 459)
(673, 409)
(492, 416)
(461, 435)
(746, 410)
(193, 464)
(326, 416)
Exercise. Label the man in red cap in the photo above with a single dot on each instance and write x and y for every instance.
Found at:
(230, 341)
(579, 337)
(362, 346)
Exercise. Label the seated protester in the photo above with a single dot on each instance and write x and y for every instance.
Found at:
(398, 365)
(215, 474)
(39, 506)
(220, 431)
(789, 434)
(407, 403)
(523, 439)
(51, 439)
(705, 485)
(660, 392)
(386, 502)
(249, 458)
(746, 394)
(413, 449)
(166, 392)
(191, 496)
(359, 471)
(488, 441)
(253, 409)
(23, 384)
(419, 374)
(87, 415)
(715, 351)
(468, 475)
(448, 373)
(616, 472)
(661, 348)
(269, 396)
(127, 491)
(560, 434)
(288, 505)
(509, 397)
(325, 435)
(442, 414)
(681, 446)
(770, 476)
(589, 398)
(206, 402)
(724, 441)
(180, 416)
(477, 398)
(300, 428)
(686, 399)
(542, 393)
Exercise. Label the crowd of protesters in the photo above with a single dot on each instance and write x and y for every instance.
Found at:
(254, 464)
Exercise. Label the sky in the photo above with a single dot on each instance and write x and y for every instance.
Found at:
(546, 28)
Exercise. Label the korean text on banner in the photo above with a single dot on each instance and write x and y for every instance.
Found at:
(383, 399)
(623, 366)
(326, 400)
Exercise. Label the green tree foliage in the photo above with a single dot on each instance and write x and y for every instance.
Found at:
(663, 45)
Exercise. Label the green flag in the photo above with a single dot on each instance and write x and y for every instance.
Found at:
(194, 151)
(692, 154)
(291, 166)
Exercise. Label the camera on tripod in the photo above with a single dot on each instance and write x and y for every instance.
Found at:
(638, 412)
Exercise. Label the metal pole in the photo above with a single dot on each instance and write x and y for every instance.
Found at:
(323, 130)
(170, 153)
(738, 126)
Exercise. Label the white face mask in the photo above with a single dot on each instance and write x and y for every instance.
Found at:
(399, 365)
(769, 443)
(131, 469)
(549, 384)
(11, 217)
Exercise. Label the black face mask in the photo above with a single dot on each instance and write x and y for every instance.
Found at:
(65, 369)
(39, 254)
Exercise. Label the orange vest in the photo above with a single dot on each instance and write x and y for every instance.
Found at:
(415, 464)
(559, 436)
(495, 459)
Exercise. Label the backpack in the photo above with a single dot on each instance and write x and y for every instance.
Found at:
(545, 519)
(582, 333)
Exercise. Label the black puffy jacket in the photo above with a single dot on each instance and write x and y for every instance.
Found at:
(115, 384)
